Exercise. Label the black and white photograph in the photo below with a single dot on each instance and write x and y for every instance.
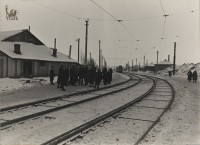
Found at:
(99, 72)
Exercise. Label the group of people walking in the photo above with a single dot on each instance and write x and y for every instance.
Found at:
(81, 76)
(192, 76)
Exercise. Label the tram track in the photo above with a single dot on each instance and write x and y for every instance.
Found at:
(47, 107)
(145, 102)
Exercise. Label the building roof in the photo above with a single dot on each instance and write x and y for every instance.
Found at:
(6, 34)
(165, 62)
(30, 50)
(151, 64)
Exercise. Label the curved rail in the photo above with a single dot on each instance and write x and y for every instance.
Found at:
(158, 119)
(59, 97)
(95, 121)
(16, 120)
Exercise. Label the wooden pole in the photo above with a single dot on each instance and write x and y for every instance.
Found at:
(174, 64)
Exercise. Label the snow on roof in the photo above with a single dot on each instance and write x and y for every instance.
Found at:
(34, 52)
(151, 64)
(6, 34)
(164, 62)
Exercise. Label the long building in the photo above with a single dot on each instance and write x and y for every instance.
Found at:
(24, 55)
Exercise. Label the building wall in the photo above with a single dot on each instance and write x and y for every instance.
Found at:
(11, 67)
(16, 67)
(3, 58)
(42, 68)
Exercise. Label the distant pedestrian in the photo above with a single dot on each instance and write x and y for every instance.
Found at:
(80, 75)
(189, 75)
(170, 73)
(98, 78)
(62, 79)
(73, 76)
(104, 75)
(109, 75)
(86, 75)
(66, 76)
(194, 76)
(59, 78)
(92, 73)
(52, 75)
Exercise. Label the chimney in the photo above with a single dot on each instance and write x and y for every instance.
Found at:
(29, 28)
(55, 50)
(70, 48)
(17, 49)
(168, 57)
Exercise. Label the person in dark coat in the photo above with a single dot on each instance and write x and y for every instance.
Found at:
(73, 76)
(109, 77)
(66, 76)
(59, 79)
(189, 75)
(62, 79)
(51, 75)
(86, 75)
(170, 73)
(104, 75)
(80, 75)
(194, 76)
(98, 78)
(90, 76)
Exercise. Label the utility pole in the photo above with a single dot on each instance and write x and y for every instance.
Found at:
(174, 58)
(157, 62)
(99, 53)
(90, 58)
(136, 64)
(132, 64)
(78, 40)
(86, 39)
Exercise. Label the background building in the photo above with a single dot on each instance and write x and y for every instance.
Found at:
(24, 55)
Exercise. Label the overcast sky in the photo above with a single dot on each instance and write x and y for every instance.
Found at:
(142, 20)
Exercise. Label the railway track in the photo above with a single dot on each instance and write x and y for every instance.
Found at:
(156, 101)
(20, 113)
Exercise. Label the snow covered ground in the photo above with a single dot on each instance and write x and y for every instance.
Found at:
(183, 69)
(11, 84)
(179, 126)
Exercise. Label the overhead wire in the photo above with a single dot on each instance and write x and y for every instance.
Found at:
(118, 20)
(58, 11)
(162, 7)
(104, 10)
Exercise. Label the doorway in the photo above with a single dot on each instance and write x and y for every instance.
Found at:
(28, 68)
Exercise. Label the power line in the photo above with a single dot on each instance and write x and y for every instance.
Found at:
(162, 7)
(104, 10)
(118, 20)
(58, 11)
(128, 31)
